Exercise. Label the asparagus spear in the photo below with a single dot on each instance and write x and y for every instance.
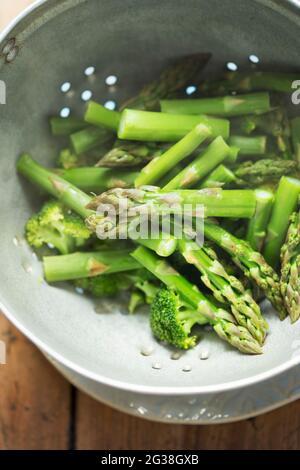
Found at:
(257, 227)
(254, 103)
(290, 268)
(81, 265)
(177, 76)
(256, 145)
(219, 177)
(295, 124)
(271, 123)
(92, 179)
(163, 127)
(126, 154)
(160, 166)
(66, 126)
(226, 288)
(286, 200)
(163, 246)
(90, 138)
(53, 184)
(215, 153)
(251, 262)
(98, 115)
(254, 174)
(223, 322)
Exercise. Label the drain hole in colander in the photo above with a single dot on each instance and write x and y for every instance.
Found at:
(111, 80)
(190, 89)
(65, 112)
(110, 105)
(253, 59)
(86, 95)
(232, 66)
(89, 71)
(66, 86)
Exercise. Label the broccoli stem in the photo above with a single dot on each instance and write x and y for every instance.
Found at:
(256, 145)
(254, 103)
(222, 321)
(98, 115)
(286, 201)
(65, 126)
(219, 177)
(215, 153)
(158, 167)
(89, 138)
(250, 261)
(295, 125)
(92, 179)
(257, 227)
(174, 78)
(53, 184)
(163, 127)
(82, 265)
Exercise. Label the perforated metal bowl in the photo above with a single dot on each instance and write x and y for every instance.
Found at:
(56, 43)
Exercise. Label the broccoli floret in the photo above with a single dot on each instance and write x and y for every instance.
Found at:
(68, 159)
(105, 285)
(57, 226)
(172, 319)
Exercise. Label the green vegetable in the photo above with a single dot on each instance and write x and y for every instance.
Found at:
(266, 170)
(89, 139)
(65, 126)
(256, 145)
(98, 115)
(219, 177)
(257, 227)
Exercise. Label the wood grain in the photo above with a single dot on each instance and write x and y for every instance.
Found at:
(34, 398)
(98, 426)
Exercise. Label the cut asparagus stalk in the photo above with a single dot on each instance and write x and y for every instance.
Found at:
(92, 179)
(249, 145)
(223, 322)
(66, 126)
(160, 166)
(286, 200)
(175, 78)
(81, 265)
(290, 268)
(226, 288)
(251, 262)
(219, 177)
(163, 127)
(128, 154)
(254, 103)
(89, 138)
(100, 116)
(164, 246)
(295, 124)
(257, 228)
(271, 123)
(263, 171)
(53, 184)
(215, 153)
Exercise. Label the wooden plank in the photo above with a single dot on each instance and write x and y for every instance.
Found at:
(100, 427)
(34, 398)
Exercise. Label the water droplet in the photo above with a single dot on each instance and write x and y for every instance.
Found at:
(86, 95)
(10, 57)
(79, 290)
(192, 401)
(89, 71)
(175, 356)
(27, 267)
(187, 368)
(17, 241)
(65, 112)
(147, 350)
(190, 90)
(111, 105)
(156, 366)
(202, 411)
(141, 410)
(204, 355)
(180, 415)
(254, 59)
(231, 66)
(65, 87)
(168, 416)
(111, 80)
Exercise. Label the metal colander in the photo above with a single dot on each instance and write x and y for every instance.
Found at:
(55, 57)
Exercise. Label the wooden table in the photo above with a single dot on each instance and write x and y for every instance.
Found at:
(40, 410)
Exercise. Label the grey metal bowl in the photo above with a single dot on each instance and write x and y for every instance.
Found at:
(54, 42)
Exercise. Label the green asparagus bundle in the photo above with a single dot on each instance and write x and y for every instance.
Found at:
(290, 268)
(128, 154)
(251, 262)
